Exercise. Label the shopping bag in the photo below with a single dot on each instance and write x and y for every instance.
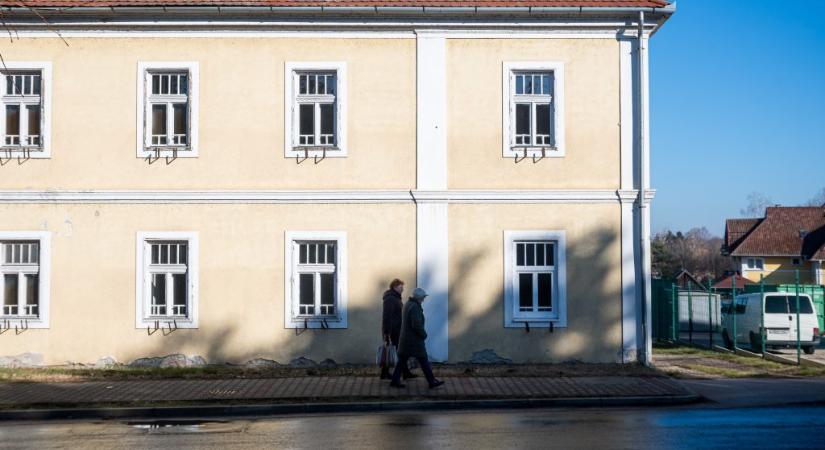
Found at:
(386, 355)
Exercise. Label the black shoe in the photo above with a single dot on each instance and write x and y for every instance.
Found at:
(398, 385)
(436, 384)
(409, 376)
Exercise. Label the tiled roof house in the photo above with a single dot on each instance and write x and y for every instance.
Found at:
(786, 241)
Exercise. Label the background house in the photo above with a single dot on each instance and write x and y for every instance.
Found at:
(786, 240)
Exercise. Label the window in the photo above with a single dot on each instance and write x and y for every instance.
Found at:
(754, 264)
(796, 262)
(25, 109)
(315, 102)
(167, 279)
(533, 106)
(535, 284)
(24, 279)
(316, 280)
(167, 109)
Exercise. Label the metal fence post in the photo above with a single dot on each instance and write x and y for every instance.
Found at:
(710, 315)
(674, 297)
(690, 313)
(733, 311)
(798, 327)
(763, 334)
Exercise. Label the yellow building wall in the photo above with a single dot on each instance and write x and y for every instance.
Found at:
(241, 115)
(591, 114)
(593, 282)
(241, 279)
(778, 270)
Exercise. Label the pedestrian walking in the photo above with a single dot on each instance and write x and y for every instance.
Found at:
(391, 326)
(412, 340)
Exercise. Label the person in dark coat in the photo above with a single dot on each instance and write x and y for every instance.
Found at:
(412, 340)
(391, 323)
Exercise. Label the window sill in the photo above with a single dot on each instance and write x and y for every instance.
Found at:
(164, 322)
(315, 152)
(168, 152)
(317, 323)
(522, 151)
(24, 152)
(22, 322)
(539, 322)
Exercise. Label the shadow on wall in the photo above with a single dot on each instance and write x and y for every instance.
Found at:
(476, 317)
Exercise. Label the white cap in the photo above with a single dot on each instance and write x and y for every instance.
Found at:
(419, 293)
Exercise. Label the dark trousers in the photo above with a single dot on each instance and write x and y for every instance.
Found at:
(385, 369)
(402, 364)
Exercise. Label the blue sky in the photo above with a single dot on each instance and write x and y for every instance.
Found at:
(737, 106)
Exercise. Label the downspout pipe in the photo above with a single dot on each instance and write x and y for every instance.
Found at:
(644, 225)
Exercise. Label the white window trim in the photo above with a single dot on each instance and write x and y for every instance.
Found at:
(508, 67)
(745, 267)
(340, 237)
(45, 151)
(340, 69)
(194, 81)
(44, 273)
(141, 297)
(560, 302)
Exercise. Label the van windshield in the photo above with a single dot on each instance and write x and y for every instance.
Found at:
(783, 304)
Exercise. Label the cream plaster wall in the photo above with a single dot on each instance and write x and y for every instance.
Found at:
(241, 115)
(241, 279)
(593, 282)
(591, 114)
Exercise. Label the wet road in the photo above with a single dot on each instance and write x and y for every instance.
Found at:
(635, 428)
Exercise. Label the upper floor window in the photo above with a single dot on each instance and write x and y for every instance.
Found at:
(316, 279)
(533, 109)
(168, 279)
(24, 113)
(168, 109)
(535, 285)
(315, 99)
(754, 264)
(24, 279)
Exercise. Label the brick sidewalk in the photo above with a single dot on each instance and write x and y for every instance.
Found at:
(329, 389)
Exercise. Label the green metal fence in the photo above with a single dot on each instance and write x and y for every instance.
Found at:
(698, 315)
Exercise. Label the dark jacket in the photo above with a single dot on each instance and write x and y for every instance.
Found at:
(413, 334)
(391, 319)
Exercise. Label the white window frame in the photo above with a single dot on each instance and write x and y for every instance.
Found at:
(509, 149)
(144, 150)
(44, 238)
(44, 150)
(558, 316)
(746, 264)
(142, 278)
(291, 121)
(291, 316)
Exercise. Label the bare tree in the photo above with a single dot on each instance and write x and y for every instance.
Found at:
(818, 199)
(757, 202)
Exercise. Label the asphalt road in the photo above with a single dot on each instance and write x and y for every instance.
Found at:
(741, 414)
(795, 427)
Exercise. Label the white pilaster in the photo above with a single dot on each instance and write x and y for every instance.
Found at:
(431, 175)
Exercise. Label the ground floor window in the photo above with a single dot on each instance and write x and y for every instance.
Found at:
(24, 279)
(167, 279)
(316, 280)
(534, 278)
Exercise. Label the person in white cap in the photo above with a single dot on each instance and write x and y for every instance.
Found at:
(412, 341)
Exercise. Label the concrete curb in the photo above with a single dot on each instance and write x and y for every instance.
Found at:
(201, 411)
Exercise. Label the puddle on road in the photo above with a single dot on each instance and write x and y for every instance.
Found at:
(184, 426)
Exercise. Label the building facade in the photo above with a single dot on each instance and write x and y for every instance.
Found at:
(243, 179)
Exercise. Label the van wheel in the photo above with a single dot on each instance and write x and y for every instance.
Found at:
(726, 340)
(756, 342)
(809, 349)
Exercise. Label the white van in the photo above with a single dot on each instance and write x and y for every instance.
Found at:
(780, 321)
